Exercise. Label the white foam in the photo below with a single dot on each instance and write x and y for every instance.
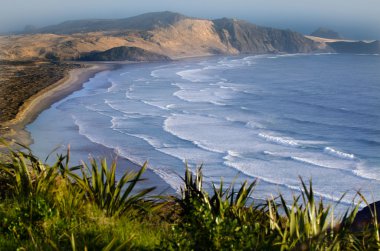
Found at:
(346, 165)
(293, 55)
(338, 153)
(312, 162)
(320, 163)
(182, 126)
(233, 153)
(278, 180)
(254, 125)
(140, 107)
(156, 143)
(279, 140)
(192, 155)
(169, 176)
(113, 87)
(157, 104)
(203, 95)
(228, 87)
(368, 174)
(278, 172)
(173, 179)
(316, 159)
(324, 53)
(193, 75)
(124, 73)
(155, 73)
(368, 171)
(171, 106)
(84, 131)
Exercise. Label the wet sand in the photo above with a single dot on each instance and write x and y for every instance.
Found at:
(45, 98)
(73, 81)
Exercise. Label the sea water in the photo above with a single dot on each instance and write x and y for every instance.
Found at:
(274, 118)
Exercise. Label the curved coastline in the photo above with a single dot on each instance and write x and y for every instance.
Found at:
(73, 81)
(36, 104)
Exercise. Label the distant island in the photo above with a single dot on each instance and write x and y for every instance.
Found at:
(326, 33)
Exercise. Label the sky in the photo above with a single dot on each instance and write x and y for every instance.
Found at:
(355, 19)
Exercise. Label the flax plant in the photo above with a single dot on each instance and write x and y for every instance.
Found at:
(27, 175)
(100, 186)
(302, 223)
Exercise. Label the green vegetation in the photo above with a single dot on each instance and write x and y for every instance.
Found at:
(86, 207)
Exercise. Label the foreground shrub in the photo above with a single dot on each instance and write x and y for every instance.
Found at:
(224, 221)
(58, 207)
(50, 204)
(101, 187)
(26, 175)
(221, 221)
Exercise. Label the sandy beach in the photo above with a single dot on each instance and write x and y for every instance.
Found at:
(74, 81)
(42, 100)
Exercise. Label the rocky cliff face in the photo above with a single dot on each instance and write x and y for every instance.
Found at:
(163, 33)
(249, 38)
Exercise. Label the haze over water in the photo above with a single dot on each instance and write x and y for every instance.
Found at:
(271, 117)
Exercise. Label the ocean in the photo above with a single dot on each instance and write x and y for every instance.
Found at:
(274, 118)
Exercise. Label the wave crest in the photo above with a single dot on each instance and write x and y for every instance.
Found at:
(279, 140)
(338, 153)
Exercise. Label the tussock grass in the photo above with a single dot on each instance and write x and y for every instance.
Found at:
(86, 207)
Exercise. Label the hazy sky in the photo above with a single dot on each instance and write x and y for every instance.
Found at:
(359, 19)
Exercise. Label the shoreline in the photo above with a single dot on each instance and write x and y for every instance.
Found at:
(42, 100)
(73, 81)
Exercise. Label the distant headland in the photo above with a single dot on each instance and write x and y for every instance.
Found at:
(168, 34)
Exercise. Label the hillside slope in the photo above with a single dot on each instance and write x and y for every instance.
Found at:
(147, 21)
(124, 53)
(250, 38)
(170, 34)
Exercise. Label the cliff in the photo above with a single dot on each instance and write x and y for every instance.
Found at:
(250, 38)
